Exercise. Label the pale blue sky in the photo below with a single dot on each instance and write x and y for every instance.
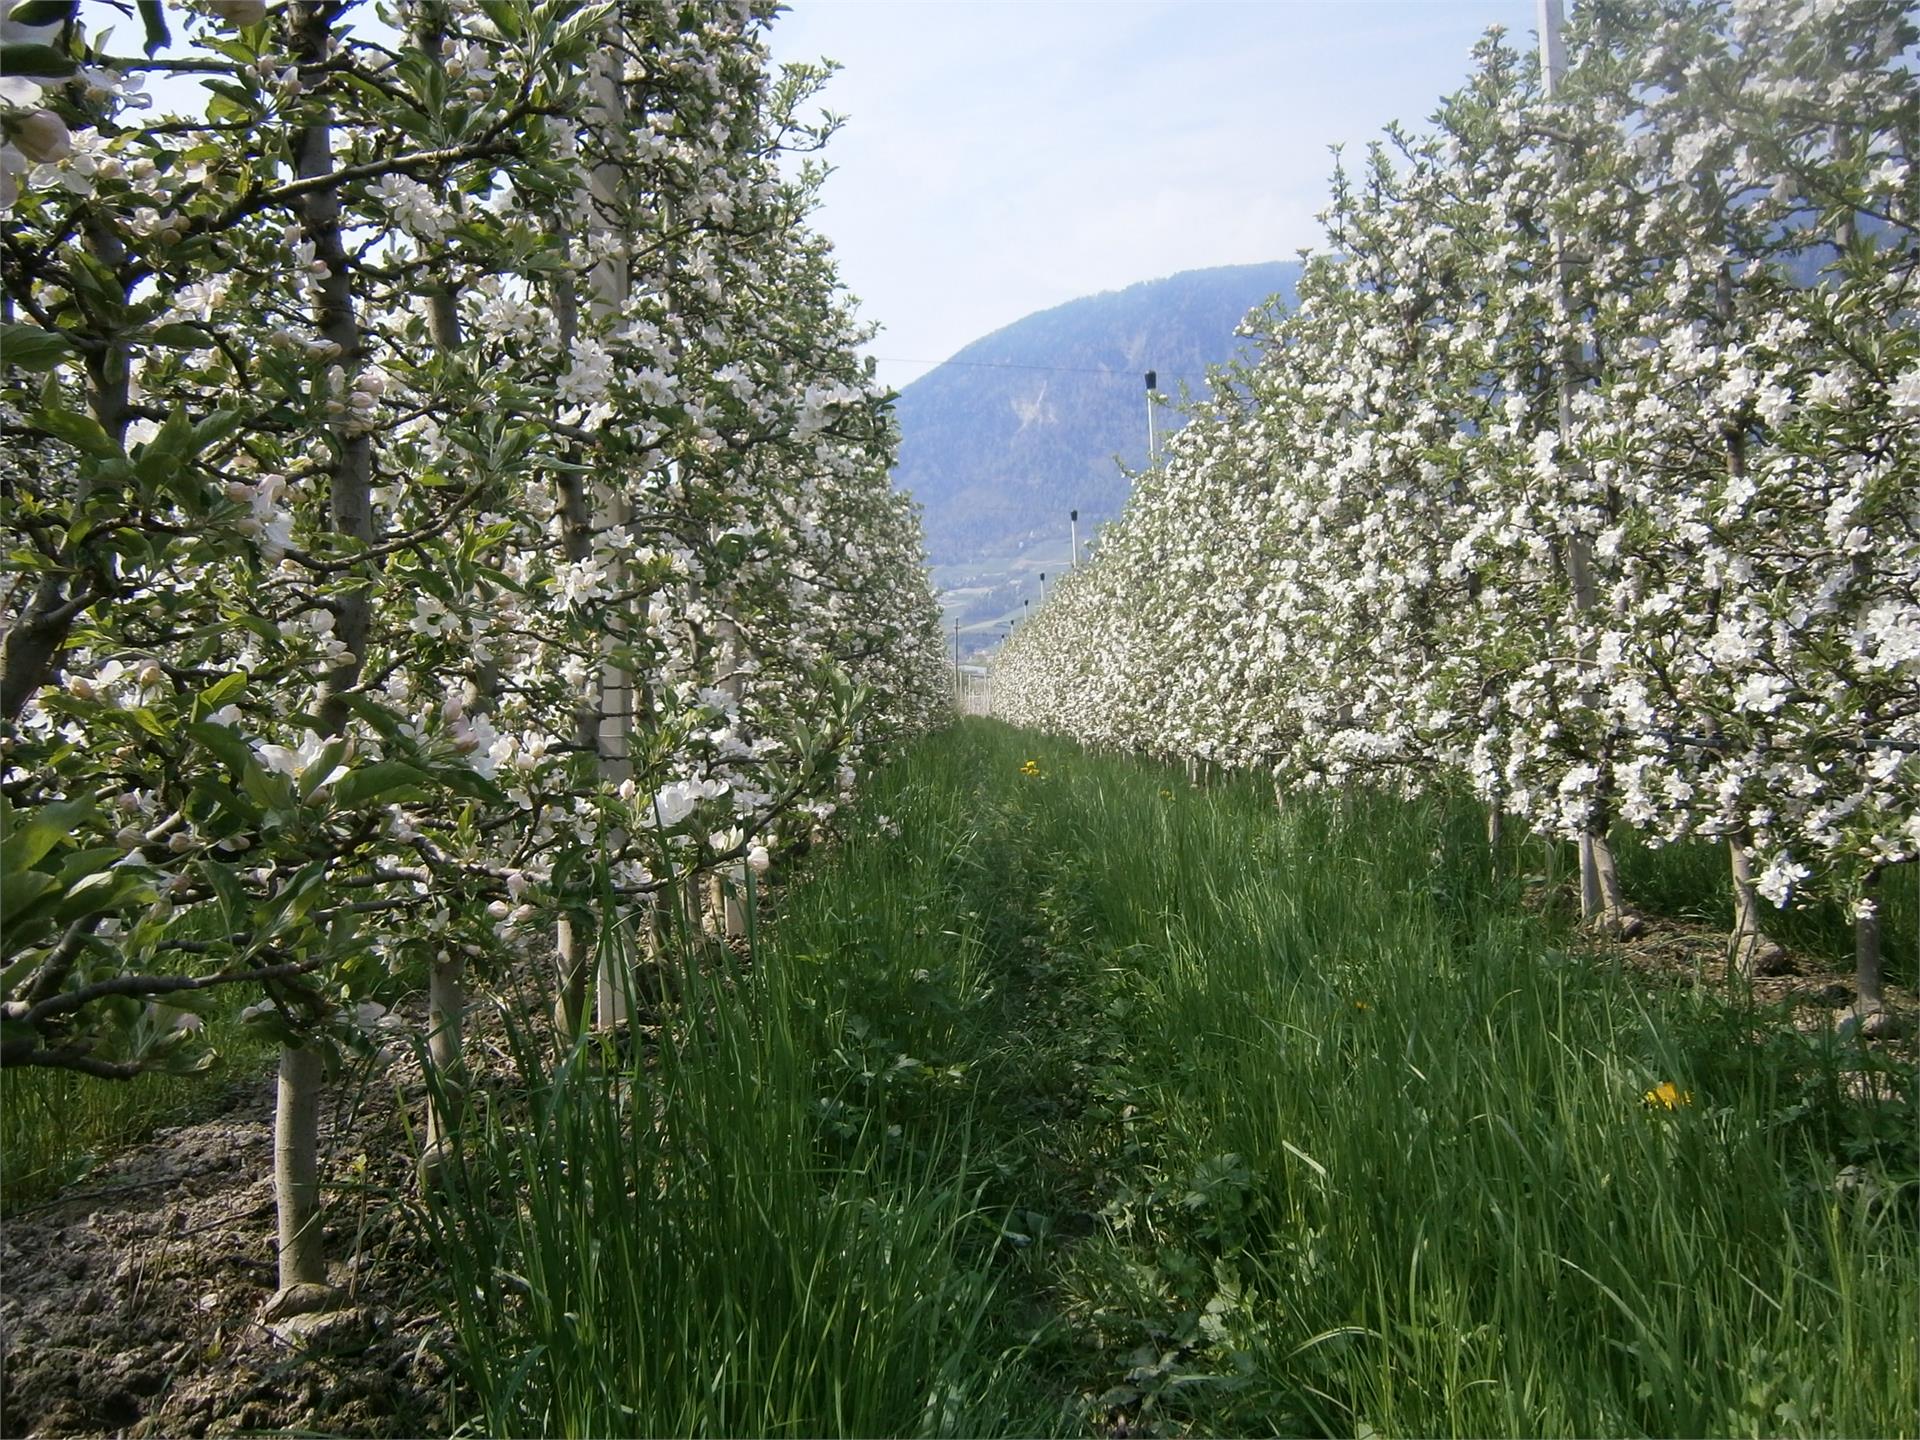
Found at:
(1002, 156)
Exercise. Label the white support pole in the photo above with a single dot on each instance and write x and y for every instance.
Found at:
(1553, 45)
(606, 248)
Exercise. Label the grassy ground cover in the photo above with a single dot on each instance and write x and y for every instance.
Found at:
(1064, 1098)
(55, 1125)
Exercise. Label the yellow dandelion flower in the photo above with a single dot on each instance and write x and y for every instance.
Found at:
(1667, 1096)
(1361, 1005)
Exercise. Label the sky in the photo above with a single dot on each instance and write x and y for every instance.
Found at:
(1003, 156)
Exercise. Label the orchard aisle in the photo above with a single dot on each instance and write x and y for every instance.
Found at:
(1061, 1097)
(1300, 1123)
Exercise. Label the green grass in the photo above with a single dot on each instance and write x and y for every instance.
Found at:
(1086, 1097)
(1404, 1177)
(57, 1126)
(1055, 1102)
(774, 1221)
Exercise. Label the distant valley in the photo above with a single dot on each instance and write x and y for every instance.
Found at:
(1037, 419)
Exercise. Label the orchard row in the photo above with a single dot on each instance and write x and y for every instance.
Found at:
(444, 508)
(1584, 472)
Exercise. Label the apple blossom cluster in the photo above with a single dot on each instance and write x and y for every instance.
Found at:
(1585, 471)
(440, 488)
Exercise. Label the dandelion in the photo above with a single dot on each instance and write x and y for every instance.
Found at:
(1361, 1005)
(1031, 769)
(1666, 1096)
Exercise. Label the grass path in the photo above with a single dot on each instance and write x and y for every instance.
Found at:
(1064, 1099)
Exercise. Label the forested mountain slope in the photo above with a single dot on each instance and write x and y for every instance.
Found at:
(1024, 424)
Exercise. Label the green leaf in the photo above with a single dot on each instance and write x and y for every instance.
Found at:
(105, 890)
(270, 790)
(223, 111)
(182, 337)
(226, 886)
(505, 17)
(32, 14)
(153, 15)
(23, 888)
(40, 62)
(375, 714)
(162, 456)
(268, 1024)
(33, 348)
(150, 722)
(372, 782)
(323, 765)
(463, 780)
(27, 843)
(223, 690)
(102, 287)
(189, 1061)
(214, 428)
(83, 432)
(83, 863)
(224, 741)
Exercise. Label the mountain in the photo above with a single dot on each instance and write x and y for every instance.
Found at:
(1025, 424)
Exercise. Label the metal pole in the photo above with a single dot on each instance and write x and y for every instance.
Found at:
(1073, 518)
(956, 664)
(1152, 444)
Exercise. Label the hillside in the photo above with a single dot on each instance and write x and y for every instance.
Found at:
(1025, 424)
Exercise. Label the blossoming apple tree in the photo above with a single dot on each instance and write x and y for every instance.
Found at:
(1583, 472)
(441, 493)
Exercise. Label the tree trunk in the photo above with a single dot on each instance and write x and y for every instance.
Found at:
(613, 982)
(1600, 900)
(1869, 983)
(446, 1089)
(604, 716)
(575, 962)
(1610, 914)
(446, 991)
(296, 1185)
(724, 890)
(1751, 951)
(350, 512)
(31, 647)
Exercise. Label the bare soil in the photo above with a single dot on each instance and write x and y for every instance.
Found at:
(132, 1305)
(1815, 992)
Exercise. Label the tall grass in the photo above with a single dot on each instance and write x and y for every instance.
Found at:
(1407, 1174)
(1055, 1102)
(766, 1219)
(57, 1126)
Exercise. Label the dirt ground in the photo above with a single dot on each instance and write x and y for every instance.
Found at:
(1815, 993)
(132, 1304)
